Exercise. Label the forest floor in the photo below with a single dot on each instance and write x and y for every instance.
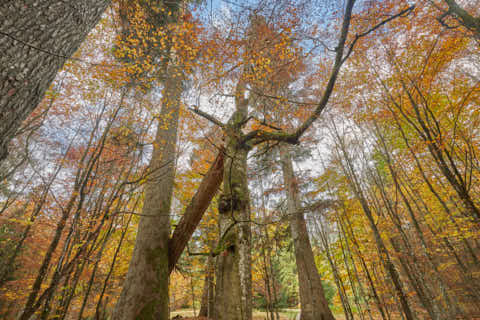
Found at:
(287, 314)
(187, 314)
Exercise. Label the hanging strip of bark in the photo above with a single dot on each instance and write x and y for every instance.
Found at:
(194, 211)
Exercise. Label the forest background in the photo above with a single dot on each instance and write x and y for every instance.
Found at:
(345, 134)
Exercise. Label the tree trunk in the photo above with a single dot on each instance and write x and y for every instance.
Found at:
(378, 302)
(234, 278)
(36, 38)
(84, 173)
(314, 305)
(233, 208)
(206, 309)
(382, 249)
(98, 311)
(145, 291)
(338, 280)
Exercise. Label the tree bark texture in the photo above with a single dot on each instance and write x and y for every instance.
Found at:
(36, 38)
(314, 305)
(145, 291)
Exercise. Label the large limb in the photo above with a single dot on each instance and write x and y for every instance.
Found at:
(195, 210)
(259, 136)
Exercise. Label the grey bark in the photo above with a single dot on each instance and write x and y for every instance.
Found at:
(314, 305)
(145, 290)
(36, 38)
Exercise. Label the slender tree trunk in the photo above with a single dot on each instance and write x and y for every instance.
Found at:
(112, 266)
(69, 291)
(314, 305)
(267, 247)
(94, 271)
(347, 310)
(76, 199)
(145, 290)
(206, 309)
(269, 278)
(36, 38)
(416, 277)
(382, 250)
(385, 256)
(354, 266)
(356, 298)
(378, 302)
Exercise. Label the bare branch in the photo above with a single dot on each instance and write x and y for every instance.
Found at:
(207, 116)
(402, 13)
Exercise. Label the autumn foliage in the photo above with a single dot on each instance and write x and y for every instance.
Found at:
(388, 171)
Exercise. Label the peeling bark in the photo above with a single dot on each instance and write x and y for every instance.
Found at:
(195, 210)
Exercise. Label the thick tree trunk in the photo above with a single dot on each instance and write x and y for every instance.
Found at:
(233, 208)
(234, 278)
(36, 38)
(145, 291)
(314, 305)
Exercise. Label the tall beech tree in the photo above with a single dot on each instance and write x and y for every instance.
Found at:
(314, 305)
(145, 291)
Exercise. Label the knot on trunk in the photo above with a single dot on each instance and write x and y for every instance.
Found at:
(231, 202)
